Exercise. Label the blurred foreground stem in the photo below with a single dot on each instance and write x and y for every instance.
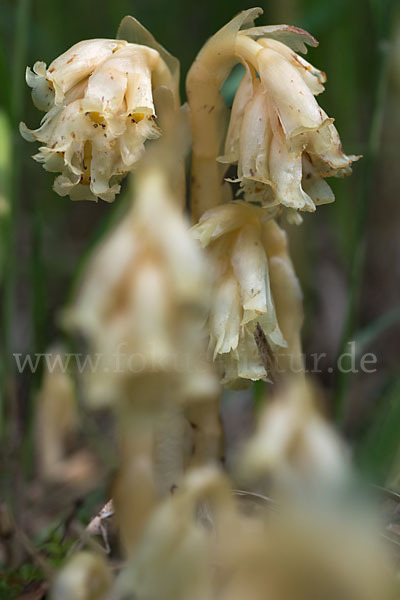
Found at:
(383, 19)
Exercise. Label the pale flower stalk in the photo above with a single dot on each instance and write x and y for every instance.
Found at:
(98, 99)
(254, 283)
(142, 306)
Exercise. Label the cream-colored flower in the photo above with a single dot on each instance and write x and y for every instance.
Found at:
(254, 282)
(98, 99)
(283, 143)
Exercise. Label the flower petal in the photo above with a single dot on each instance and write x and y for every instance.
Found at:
(294, 37)
(225, 316)
(286, 173)
(79, 62)
(313, 77)
(242, 97)
(42, 93)
(313, 185)
(250, 266)
(223, 219)
(289, 94)
(255, 138)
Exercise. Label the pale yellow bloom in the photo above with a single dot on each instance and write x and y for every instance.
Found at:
(252, 276)
(283, 143)
(98, 99)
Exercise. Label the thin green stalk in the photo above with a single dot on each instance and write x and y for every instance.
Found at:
(373, 330)
(376, 452)
(357, 253)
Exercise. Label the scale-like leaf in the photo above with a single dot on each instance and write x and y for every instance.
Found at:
(294, 37)
(133, 32)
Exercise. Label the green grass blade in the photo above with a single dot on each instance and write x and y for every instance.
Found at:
(366, 336)
(377, 451)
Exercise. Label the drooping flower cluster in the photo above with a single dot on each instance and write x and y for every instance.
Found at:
(254, 282)
(283, 143)
(98, 99)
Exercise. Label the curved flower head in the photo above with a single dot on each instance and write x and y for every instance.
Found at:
(98, 99)
(283, 143)
(254, 283)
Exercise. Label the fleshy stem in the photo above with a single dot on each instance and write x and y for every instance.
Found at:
(209, 118)
(209, 113)
(358, 250)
